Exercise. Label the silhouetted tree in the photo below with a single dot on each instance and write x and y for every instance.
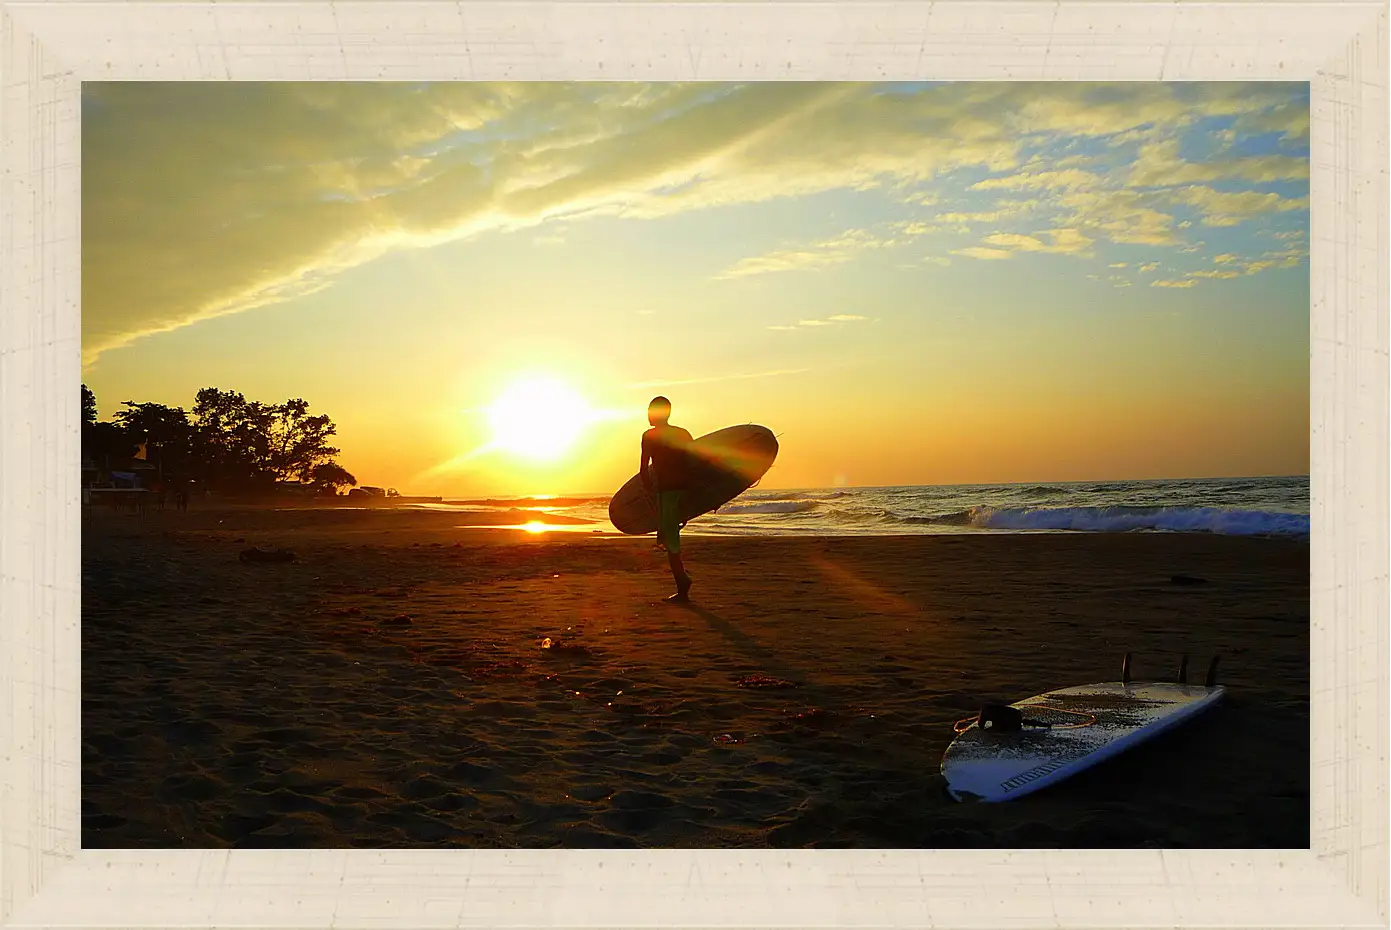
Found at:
(166, 433)
(330, 476)
(299, 442)
(89, 406)
(225, 442)
(233, 438)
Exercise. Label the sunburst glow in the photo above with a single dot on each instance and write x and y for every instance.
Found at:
(539, 418)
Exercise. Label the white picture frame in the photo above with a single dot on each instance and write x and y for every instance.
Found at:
(48, 48)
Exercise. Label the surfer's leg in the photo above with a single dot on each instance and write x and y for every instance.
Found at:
(669, 529)
(683, 580)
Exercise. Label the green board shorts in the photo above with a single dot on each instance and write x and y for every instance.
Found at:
(669, 520)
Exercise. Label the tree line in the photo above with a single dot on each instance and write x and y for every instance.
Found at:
(225, 443)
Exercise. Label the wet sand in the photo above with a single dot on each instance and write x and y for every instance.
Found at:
(409, 681)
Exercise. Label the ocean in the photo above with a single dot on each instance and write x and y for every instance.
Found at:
(1223, 506)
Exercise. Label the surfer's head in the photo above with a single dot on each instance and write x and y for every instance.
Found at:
(659, 411)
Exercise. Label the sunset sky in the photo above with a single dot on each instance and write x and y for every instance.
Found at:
(910, 284)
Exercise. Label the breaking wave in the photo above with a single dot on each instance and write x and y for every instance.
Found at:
(772, 506)
(1217, 520)
(809, 516)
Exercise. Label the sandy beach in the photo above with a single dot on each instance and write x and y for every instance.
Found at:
(412, 681)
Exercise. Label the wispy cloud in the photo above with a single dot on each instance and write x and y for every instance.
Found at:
(1230, 208)
(1230, 266)
(834, 251)
(834, 320)
(643, 385)
(1003, 245)
(1057, 180)
(1160, 165)
(228, 196)
(976, 251)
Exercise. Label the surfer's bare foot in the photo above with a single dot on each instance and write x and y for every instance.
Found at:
(683, 592)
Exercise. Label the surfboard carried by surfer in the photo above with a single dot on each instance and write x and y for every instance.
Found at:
(666, 449)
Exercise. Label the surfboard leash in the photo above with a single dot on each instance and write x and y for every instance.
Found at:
(1009, 719)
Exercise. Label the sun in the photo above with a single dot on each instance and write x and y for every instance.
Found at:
(538, 418)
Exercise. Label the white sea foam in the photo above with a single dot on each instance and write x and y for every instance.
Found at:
(795, 506)
(1132, 519)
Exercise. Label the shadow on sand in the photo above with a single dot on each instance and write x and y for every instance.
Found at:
(749, 647)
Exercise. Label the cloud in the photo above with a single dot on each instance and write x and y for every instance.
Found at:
(643, 385)
(1188, 283)
(1235, 266)
(1290, 120)
(835, 251)
(1288, 258)
(786, 260)
(915, 228)
(834, 320)
(978, 252)
(1159, 165)
(1122, 216)
(1069, 240)
(1063, 241)
(1148, 267)
(1066, 179)
(1231, 208)
(1000, 211)
(208, 198)
(1015, 241)
(1106, 110)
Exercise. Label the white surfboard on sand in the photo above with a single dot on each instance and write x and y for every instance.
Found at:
(1064, 732)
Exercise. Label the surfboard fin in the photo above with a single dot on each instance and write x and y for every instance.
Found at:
(1183, 669)
(1211, 680)
(1125, 669)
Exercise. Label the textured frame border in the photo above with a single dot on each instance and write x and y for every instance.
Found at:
(48, 48)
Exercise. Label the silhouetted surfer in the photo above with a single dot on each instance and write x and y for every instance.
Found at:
(665, 446)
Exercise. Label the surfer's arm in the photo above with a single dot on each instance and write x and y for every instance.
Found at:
(642, 466)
